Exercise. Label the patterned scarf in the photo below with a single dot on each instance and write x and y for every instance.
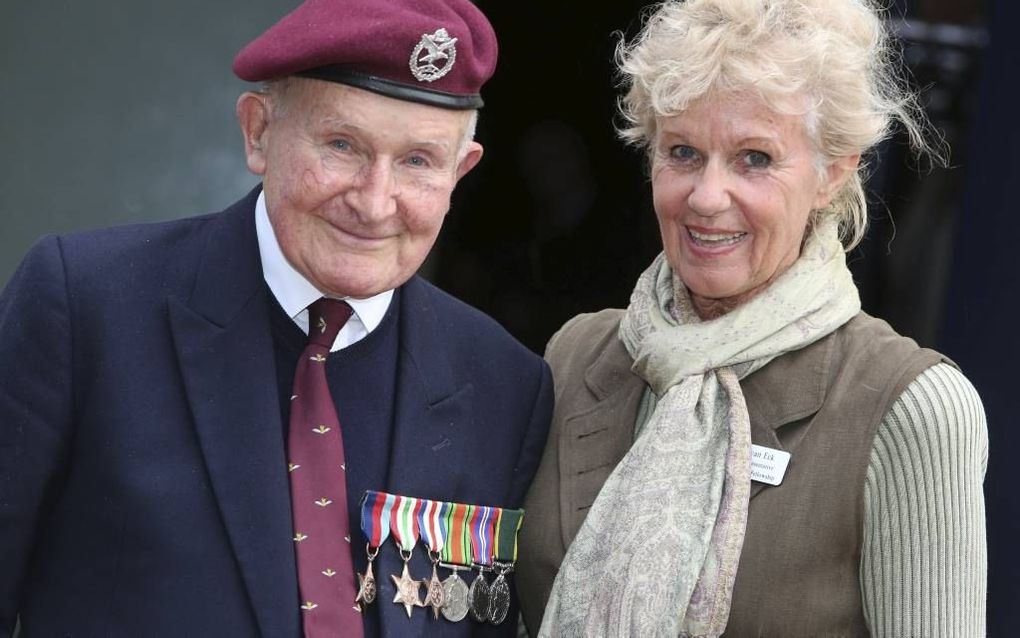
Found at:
(658, 551)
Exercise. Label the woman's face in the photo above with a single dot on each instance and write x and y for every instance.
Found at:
(734, 183)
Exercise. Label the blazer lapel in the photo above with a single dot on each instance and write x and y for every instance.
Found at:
(432, 421)
(598, 434)
(432, 432)
(225, 351)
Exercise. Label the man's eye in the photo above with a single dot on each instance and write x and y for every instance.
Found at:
(418, 161)
(683, 153)
(340, 145)
(757, 159)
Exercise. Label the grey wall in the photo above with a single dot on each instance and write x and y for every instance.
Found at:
(119, 111)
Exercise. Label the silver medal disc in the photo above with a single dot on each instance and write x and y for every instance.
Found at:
(455, 598)
(499, 600)
(479, 597)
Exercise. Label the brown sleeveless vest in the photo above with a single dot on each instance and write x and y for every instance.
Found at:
(798, 572)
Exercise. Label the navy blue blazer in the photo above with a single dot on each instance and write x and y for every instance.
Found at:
(143, 484)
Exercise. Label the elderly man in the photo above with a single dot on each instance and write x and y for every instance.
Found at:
(192, 413)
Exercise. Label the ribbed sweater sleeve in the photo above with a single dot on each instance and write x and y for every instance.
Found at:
(923, 561)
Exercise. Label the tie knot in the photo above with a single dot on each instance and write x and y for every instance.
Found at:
(325, 319)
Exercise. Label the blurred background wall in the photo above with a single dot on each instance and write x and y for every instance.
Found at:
(123, 111)
(982, 302)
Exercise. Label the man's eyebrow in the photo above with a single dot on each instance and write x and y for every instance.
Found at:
(438, 144)
(340, 124)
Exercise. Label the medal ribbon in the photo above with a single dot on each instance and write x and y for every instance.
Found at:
(430, 523)
(482, 528)
(457, 548)
(458, 533)
(403, 521)
(375, 516)
(508, 523)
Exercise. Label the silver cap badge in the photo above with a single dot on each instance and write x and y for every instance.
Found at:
(434, 56)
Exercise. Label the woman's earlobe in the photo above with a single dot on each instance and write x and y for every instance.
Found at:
(838, 173)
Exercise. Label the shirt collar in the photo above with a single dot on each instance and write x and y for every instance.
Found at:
(295, 293)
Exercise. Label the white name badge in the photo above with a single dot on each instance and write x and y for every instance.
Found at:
(768, 465)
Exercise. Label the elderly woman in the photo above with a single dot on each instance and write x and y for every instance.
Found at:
(664, 505)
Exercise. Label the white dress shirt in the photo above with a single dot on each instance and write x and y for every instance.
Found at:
(294, 293)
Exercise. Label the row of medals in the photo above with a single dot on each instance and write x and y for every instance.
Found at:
(487, 602)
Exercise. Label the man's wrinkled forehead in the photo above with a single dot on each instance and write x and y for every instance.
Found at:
(325, 109)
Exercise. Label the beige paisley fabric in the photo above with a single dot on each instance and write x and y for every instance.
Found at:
(658, 551)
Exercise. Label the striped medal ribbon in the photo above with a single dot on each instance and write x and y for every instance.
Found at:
(404, 526)
(430, 523)
(456, 556)
(482, 525)
(375, 525)
(508, 523)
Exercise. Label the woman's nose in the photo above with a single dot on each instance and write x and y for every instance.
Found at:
(711, 194)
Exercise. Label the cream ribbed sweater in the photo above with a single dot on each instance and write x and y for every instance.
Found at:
(924, 562)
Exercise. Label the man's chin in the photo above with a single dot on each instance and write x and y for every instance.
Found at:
(360, 288)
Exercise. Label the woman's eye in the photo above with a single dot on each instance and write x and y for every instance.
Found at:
(683, 153)
(757, 159)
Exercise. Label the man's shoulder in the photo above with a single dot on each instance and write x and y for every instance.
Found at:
(148, 241)
(459, 323)
(150, 253)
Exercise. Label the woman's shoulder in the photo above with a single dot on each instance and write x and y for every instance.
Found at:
(930, 400)
(587, 329)
(587, 339)
(939, 410)
(870, 353)
(874, 334)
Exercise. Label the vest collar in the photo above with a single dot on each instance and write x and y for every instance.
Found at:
(611, 370)
(789, 388)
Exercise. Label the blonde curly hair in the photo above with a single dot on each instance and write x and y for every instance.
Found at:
(835, 53)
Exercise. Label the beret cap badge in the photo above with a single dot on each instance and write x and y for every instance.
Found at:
(403, 49)
(433, 56)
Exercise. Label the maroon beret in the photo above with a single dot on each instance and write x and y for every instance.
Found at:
(437, 52)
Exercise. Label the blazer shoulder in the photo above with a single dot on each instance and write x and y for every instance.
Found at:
(139, 243)
(157, 257)
(465, 325)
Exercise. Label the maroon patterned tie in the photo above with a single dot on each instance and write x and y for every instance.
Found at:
(318, 488)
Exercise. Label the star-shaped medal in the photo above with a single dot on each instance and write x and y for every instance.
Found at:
(366, 587)
(434, 596)
(407, 591)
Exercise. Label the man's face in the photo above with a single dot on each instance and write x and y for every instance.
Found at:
(357, 184)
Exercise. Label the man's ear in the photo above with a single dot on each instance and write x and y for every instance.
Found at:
(470, 159)
(836, 175)
(253, 116)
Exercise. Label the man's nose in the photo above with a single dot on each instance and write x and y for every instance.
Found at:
(373, 194)
(711, 193)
